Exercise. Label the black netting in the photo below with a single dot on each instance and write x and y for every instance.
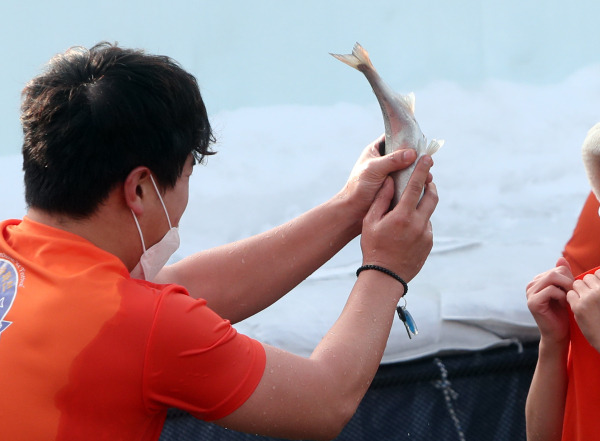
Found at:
(471, 396)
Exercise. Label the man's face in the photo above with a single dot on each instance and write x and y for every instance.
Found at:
(176, 198)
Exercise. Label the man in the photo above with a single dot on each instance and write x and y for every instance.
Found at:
(90, 351)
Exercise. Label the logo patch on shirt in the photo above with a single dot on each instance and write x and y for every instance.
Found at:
(9, 281)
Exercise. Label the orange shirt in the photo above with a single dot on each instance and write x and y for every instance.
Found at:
(582, 405)
(86, 352)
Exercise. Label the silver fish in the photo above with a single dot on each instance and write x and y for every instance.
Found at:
(401, 128)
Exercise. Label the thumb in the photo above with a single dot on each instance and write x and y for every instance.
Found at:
(563, 262)
(398, 160)
(383, 199)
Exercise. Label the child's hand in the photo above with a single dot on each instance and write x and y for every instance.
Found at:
(547, 302)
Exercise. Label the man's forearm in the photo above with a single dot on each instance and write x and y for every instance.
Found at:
(244, 277)
(313, 398)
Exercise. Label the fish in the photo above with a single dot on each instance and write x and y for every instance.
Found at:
(402, 130)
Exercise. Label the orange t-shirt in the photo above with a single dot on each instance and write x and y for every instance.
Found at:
(582, 405)
(86, 352)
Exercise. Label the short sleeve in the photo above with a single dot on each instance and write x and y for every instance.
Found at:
(197, 362)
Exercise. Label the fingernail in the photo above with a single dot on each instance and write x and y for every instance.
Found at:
(407, 155)
(427, 160)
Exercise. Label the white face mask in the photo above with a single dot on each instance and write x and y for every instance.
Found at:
(155, 257)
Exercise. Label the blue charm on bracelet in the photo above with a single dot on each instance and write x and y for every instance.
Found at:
(407, 320)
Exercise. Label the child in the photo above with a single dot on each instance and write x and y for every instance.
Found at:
(564, 398)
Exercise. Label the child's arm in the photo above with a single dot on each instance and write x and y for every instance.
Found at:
(546, 299)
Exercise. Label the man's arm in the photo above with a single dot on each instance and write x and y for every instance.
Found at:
(240, 279)
(313, 398)
(546, 299)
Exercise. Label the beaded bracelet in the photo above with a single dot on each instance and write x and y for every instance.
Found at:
(385, 271)
(403, 314)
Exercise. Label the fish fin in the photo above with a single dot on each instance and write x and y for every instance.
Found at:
(434, 146)
(408, 101)
(361, 53)
(358, 57)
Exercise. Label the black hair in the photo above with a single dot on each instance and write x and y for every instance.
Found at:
(94, 115)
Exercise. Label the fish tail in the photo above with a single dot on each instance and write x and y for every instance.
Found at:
(434, 146)
(358, 57)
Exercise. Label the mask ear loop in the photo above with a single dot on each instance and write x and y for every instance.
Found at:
(137, 224)
(161, 201)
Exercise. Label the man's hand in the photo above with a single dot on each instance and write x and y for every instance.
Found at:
(584, 300)
(547, 302)
(370, 172)
(401, 239)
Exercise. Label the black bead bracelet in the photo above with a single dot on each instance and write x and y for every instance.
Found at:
(385, 271)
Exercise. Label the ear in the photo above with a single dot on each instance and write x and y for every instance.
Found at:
(134, 189)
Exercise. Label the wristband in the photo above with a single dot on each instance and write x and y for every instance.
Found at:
(403, 314)
(385, 271)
